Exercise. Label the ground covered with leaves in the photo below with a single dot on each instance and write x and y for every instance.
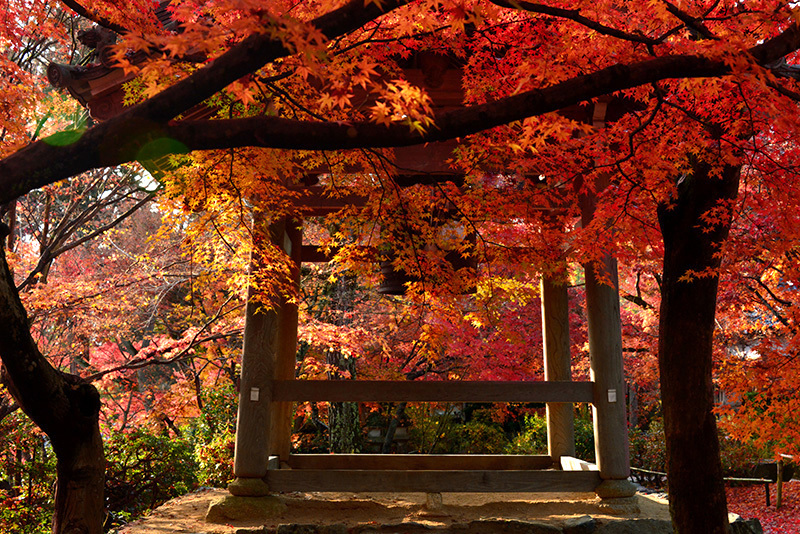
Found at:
(750, 501)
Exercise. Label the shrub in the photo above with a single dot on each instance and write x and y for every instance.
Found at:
(144, 470)
(647, 448)
(481, 435)
(213, 435)
(532, 439)
(21, 515)
(584, 437)
(27, 475)
(218, 415)
(215, 460)
(738, 458)
(433, 433)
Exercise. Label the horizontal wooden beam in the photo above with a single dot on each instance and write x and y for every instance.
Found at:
(426, 462)
(419, 391)
(313, 254)
(317, 201)
(288, 480)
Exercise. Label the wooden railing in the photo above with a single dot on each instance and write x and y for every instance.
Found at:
(429, 391)
(426, 472)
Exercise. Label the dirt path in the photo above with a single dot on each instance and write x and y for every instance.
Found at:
(186, 514)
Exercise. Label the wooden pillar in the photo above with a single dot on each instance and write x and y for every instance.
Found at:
(254, 416)
(555, 334)
(281, 423)
(605, 352)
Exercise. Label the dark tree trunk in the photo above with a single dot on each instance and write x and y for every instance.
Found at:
(391, 430)
(63, 406)
(344, 422)
(79, 485)
(697, 493)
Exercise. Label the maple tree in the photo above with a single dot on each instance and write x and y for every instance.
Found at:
(118, 313)
(708, 101)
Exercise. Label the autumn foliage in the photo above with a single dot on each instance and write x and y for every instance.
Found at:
(134, 271)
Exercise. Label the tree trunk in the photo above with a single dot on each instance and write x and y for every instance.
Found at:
(344, 422)
(343, 418)
(694, 473)
(63, 406)
(391, 430)
(79, 485)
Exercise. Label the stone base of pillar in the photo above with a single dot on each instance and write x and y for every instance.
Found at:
(615, 489)
(248, 487)
(620, 506)
(433, 502)
(617, 497)
(235, 508)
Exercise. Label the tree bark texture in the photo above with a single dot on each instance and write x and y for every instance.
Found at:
(64, 406)
(343, 417)
(694, 472)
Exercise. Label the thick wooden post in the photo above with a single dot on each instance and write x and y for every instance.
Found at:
(281, 423)
(254, 416)
(555, 334)
(605, 353)
(607, 373)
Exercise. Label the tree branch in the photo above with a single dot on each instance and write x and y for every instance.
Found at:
(141, 124)
(775, 312)
(67, 227)
(776, 298)
(47, 396)
(7, 408)
(143, 131)
(691, 22)
(151, 360)
(575, 16)
(145, 361)
(85, 13)
(106, 227)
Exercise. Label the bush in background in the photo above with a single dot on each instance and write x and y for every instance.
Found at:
(584, 436)
(647, 447)
(434, 430)
(144, 470)
(532, 438)
(27, 477)
(215, 460)
(739, 458)
(213, 435)
(481, 435)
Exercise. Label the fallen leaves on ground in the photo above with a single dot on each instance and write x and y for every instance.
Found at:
(750, 502)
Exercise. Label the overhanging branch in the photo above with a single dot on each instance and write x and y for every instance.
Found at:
(575, 16)
(277, 132)
(85, 13)
(144, 131)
